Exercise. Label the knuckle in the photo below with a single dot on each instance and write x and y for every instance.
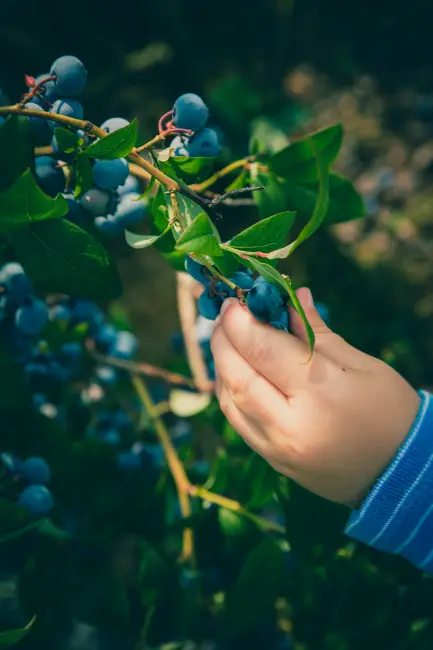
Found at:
(260, 351)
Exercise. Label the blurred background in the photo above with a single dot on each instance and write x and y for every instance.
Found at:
(291, 65)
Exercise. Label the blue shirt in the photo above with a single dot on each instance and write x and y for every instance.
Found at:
(397, 514)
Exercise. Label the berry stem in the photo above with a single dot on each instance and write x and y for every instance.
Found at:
(234, 506)
(176, 468)
(161, 136)
(28, 96)
(187, 315)
(216, 273)
(237, 164)
(162, 119)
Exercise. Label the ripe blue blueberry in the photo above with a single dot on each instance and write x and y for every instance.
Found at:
(111, 437)
(15, 281)
(130, 185)
(86, 311)
(129, 460)
(105, 336)
(106, 375)
(35, 471)
(71, 76)
(95, 201)
(197, 271)
(240, 278)
(31, 319)
(2, 120)
(37, 499)
(323, 311)
(67, 107)
(125, 345)
(39, 128)
(190, 112)
(129, 211)
(109, 174)
(204, 143)
(265, 301)
(114, 124)
(50, 177)
(76, 214)
(209, 306)
(108, 225)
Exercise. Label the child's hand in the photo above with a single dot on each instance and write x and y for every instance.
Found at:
(332, 424)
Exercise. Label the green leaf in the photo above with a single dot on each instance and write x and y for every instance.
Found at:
(239, 182)
(66, 140)
(200, 237)
(143, 241)
(46, 527)
(118, 144)
(148, 189)
(188, 208)
(187, 169)
(300, 310)
(14, 390)
(24, 203)
(12, 637)
(226, 262)
(84, 175)
(266, 270)
(232, 524)
(297, 161)
(319, 213)
(155, 575)
(273, 198)
(259, 584)
(262, 478)
(266, 235)
(60, 257)
(16, 151)
(345, 204)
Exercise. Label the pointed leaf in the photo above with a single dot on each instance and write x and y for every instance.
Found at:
(66, 140)
(60, 257)
(189, 208)
(297, 161)
(148, 189)
(46, 527)
(12, 637)
(143, 241)
(259, 584)
(200, 237)
(226, 262)
(239, 182)
(16, 151)
(189, 169)
(24, 202)
(266, 235)
(300, 310)
(84, 175)
(118, 144)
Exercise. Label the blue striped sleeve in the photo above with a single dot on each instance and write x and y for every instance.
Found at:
(397, 514)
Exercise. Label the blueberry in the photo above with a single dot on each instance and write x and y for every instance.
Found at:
(323, 311)
(95, 201)
(178, 144)
(121, 420)
(265, 301)
(114, 124)
(71, 76)
(86, 311)
(60, 313)
(37, 499)
(50, 177)
(130, 185)
(109, 225)
(125, 345)
(15, 281)
(111, 437)
(109, 174)
(129, 460)
(105, 336)
(39, 128)
(2, 120)
(106, 375)
(282, 323)
(35, 471)
(48, 90)
(242, 279)
(211, 369)
(10, 462)
(204, 143)
(68, 108)
(190, 112)
(129, 211)
(209, 306)
(39, 400)
(198, 271)
(75, 214)
(31, 319)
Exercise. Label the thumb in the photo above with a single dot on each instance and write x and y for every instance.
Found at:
(327, 342)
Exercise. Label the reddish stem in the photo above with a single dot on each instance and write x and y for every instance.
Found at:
(28, 96)
(162, 120)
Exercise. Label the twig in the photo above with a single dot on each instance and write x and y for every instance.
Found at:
(176, 468)
(237, 164)
(235, 506)
(162, 136)
(146, 369)
(187, 315)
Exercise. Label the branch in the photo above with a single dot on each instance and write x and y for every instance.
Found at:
(176, 468)
(235, 506)
(187, 315)
(88, 127)
(237, 164)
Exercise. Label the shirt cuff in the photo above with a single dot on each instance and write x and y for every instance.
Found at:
(397, 514)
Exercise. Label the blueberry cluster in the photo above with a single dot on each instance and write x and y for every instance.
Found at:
(191, 113)
(264, 299)
(34, 473)
(112, 203)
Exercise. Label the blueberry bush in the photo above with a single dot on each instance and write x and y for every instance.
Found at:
(131, 514)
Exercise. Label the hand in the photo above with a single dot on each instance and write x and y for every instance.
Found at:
(333, 424)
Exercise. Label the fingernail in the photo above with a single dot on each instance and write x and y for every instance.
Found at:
(226, 304)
